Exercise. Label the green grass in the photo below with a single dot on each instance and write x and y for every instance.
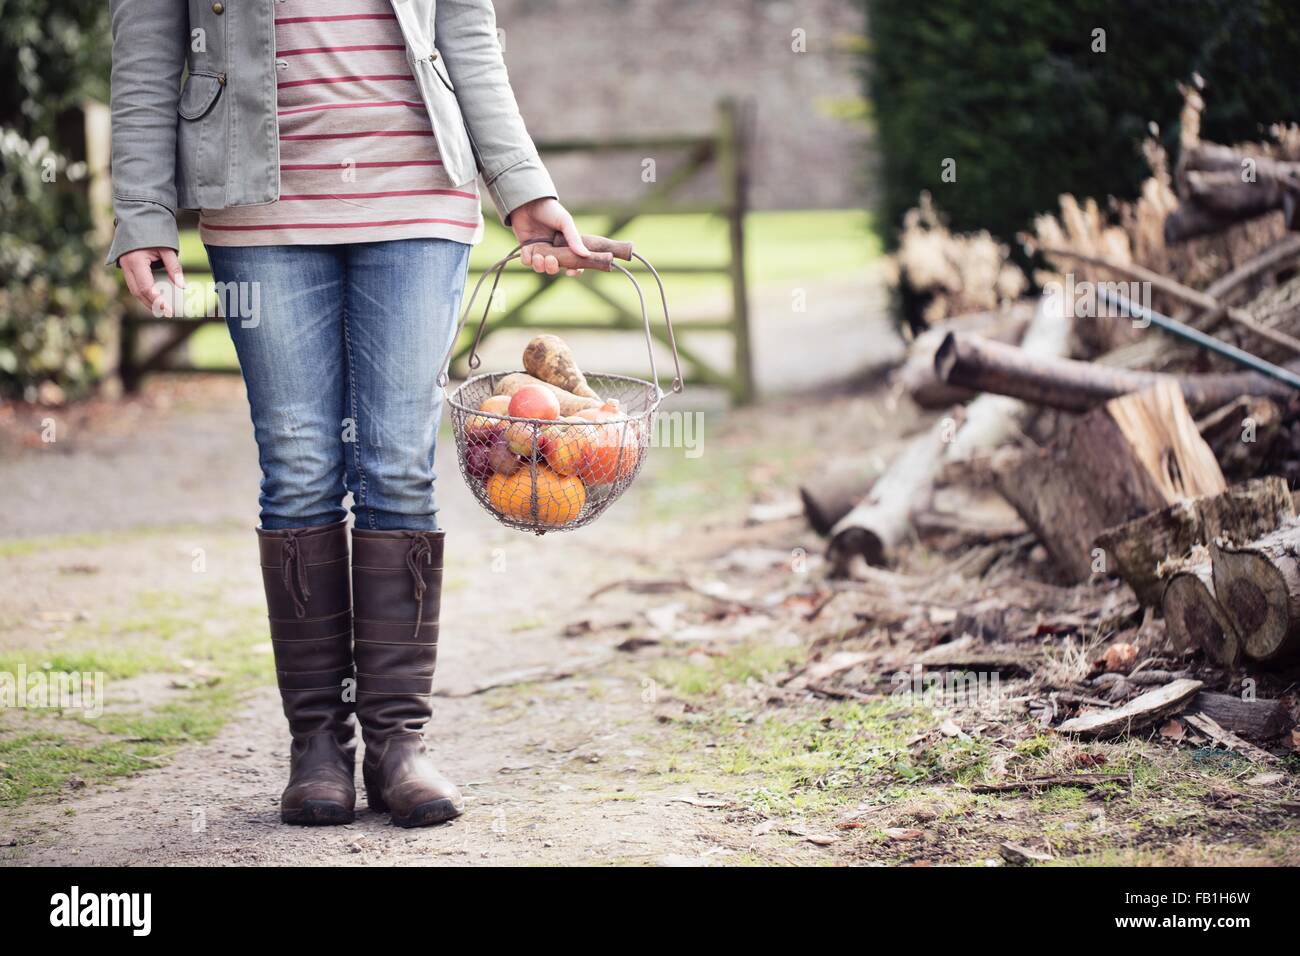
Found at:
(44, 751)
(688, 678)
(796, 763)
(781, 247)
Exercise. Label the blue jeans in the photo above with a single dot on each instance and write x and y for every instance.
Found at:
(340, 347)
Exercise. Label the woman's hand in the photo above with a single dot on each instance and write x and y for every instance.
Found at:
(541, 219)
(137, 268)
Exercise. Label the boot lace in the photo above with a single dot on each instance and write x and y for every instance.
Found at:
(294, 570)
(420, 550)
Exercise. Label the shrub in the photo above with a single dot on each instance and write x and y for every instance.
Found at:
(50, 308)
(1013, 91)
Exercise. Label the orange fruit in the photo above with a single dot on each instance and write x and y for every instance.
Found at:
(559, 497)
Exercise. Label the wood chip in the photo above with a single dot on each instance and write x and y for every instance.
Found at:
(1142, 711)
(1207, 726)
(904, 833)
(1020, 855)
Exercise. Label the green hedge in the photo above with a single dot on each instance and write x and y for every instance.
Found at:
(56, 54)
(1012, 90)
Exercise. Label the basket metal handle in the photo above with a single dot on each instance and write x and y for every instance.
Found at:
(495, 270)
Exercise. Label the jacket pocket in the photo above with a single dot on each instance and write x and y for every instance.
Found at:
(441, 70)
(200, 93)
(201, 154)
(450, 133)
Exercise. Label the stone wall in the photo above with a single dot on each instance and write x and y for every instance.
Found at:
(628, 67)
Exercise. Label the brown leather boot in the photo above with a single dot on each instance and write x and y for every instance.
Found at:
(397, 580)
(305, 572)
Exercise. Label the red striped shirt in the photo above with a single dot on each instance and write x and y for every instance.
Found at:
(358, 159)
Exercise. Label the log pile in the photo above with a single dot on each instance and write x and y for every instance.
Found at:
(1146, 477)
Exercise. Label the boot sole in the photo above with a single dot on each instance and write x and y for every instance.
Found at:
(424, 815)
(318, 813)
(428, 814)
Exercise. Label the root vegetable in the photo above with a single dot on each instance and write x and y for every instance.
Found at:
(501, 460)
(548, 358)
(477, 459)
(603, 413)
(570, 404)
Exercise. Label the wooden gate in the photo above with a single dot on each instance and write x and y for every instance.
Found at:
(726, 150)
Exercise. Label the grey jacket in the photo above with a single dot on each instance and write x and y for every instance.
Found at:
(213, 141)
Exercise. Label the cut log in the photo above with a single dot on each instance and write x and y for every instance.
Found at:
(917, 377)
(1242, 434)
(992, 420)
(1072, 386)
(1243, 512)
(1258, 585)
(883, 519)
(828, 499)
(1193, 618)
(1140, 712)
(1208, 179)
(1137, 454)
(1257, 719)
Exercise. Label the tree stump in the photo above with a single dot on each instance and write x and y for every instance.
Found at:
(1136, 454)
(1258, 585)
(1193, 618)
(1244, 512)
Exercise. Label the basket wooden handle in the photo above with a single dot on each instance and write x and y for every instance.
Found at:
(604, 252)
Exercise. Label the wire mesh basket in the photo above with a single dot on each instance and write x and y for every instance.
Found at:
(541, 475)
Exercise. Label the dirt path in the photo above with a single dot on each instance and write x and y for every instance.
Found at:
(671, 685)
(555, 770)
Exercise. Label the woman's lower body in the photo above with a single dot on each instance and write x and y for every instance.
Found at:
(341, 347)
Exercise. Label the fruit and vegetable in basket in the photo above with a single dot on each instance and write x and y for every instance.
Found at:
(545, 441)
(559, 498)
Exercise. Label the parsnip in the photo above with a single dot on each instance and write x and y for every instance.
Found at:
(569, 403)
(549, 358)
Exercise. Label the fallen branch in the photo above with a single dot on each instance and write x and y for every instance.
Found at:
(1252, 717)
(992, 420)
(884, 517)
(1185, 294)
(1086, 780)
(1075, 386)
